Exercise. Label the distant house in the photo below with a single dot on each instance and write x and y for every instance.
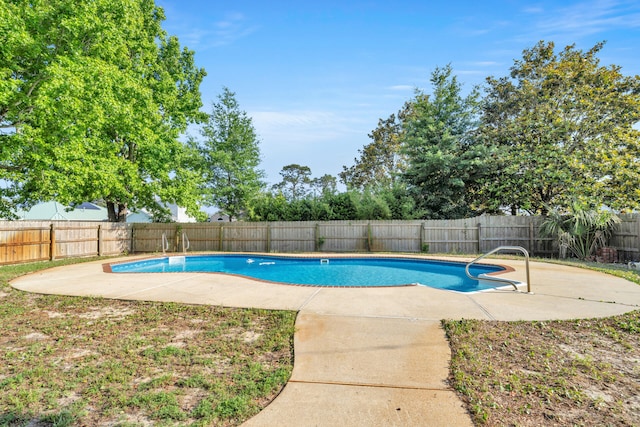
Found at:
(179, 214)
(139, 217)
(219, 217)
(54, 211)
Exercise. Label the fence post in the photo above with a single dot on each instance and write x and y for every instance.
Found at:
(99, 240)
(52, 243)
(479, 238)
(221, 238)
(268, 237)
(638, 229)
(133, 239)
(531, 240)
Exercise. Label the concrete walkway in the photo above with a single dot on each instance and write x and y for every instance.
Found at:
(368, 356)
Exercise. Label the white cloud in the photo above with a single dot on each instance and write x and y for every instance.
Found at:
(321, 140)
(533, 10)
(559, 22)
(401, 87)
(195, 37)
(223, 32)
(233, 27)
(591, 17)
(284, 127)
(484, 63)
(470, 72)
(230, 20)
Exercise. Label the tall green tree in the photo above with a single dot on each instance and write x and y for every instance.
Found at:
(564, 126)
(275, 207)
(296, 181)
(230, 157)
(326, 184)
(443, 161)
(93, 98)
(401, 203)
(268, 207)
(381, 161)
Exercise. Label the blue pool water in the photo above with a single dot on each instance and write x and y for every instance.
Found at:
(341, 272)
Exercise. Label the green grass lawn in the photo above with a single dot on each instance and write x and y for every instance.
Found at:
(552, 373)
(93, 361)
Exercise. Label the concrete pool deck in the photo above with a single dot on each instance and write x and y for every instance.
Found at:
(366, 356)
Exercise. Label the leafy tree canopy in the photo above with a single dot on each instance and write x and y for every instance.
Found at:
(564, 126)
(443, 161)
(326, 184)
(229, 157)
(93, 98)
(381, 161)
(296, 181)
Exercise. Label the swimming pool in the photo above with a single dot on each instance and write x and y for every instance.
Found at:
(332, 272)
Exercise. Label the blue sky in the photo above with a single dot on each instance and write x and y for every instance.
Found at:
(315, 77)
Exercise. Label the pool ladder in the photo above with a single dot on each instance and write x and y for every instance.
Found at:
(165, 243)
(513, 283)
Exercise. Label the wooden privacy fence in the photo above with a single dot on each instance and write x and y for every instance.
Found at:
(626, 238)
(467, 236)
(28, 241)
(22, 241)
(463, 236)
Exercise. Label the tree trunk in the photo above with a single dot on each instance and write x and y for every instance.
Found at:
(111, 212)
(122, 213)
(116, 213)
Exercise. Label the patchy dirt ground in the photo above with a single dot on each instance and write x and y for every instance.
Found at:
(552, 373)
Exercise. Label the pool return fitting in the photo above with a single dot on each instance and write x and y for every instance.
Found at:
(513, 283)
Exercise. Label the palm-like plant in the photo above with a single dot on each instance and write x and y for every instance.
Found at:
(580, 231)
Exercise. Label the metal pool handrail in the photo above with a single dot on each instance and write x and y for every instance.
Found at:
(499, 279)
(165, 243)
(187, 245)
